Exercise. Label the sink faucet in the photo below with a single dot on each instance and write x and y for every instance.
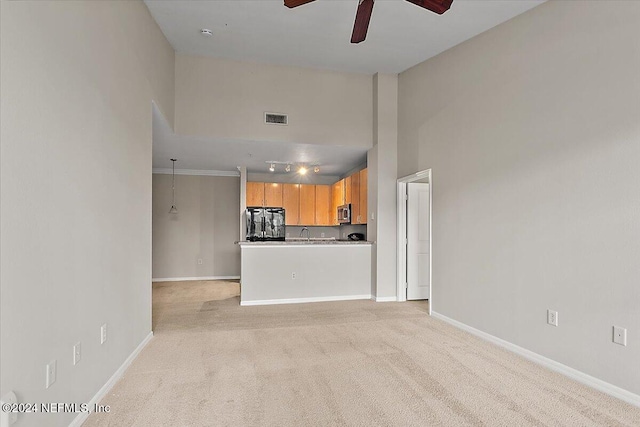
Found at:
(308, 232)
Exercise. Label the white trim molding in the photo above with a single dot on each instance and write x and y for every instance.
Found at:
(565, 370)
(304, 300)
(82, 417)
(384, 299)
(196, 172)
(188, 279)
(401, 232)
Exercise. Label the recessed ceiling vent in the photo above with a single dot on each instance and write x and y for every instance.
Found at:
(276, 119)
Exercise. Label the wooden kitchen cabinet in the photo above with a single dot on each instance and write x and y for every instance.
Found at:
(337, 199)
(273, 194)
(323, 205)
(255, 193)
(347, 191)
(307, 204)
(291, 203)
(355, 198)
(363, 196)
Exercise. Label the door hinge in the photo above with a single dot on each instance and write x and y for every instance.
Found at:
(406, 241)
(406, 285)
(406, 197)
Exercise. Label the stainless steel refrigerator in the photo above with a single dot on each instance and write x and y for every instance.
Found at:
(265, 224)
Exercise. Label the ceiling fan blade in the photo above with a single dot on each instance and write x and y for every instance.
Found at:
(437, 6)
(296, 3)
(361, 25)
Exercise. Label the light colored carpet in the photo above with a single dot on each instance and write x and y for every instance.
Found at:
(355, 363)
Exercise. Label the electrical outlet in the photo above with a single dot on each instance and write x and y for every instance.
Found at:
(620, 335)
(293, 275)
(321, 234)
(51, 371)
(552, 317)
(77, 353)
(103, 333)
(199, 261)
(8, 418)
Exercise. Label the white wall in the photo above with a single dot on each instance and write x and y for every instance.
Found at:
(205, 227)
(227, 99)
(77, 80)
(532, 133)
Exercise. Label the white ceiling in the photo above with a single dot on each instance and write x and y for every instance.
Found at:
(207, 154)
(318, 34)
(315, 35)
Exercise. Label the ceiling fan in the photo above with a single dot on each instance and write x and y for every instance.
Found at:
(365, 7)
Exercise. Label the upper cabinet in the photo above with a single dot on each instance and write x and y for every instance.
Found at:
(323, 205)
(291, 203)
(359, 197)
(307, 204)
(350, 190)
(362, 191)
(255, 193)
(273, 194)
(347, 190)
(337, 199)
(264, 194)
(355, 198)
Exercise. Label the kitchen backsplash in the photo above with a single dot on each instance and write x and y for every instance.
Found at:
(340, 232)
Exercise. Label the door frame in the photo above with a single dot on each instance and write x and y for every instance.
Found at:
(401, 280)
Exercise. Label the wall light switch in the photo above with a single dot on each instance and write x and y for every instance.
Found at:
(8, 418)
(51, 373)
(373, 215)
(103, 333)
(199, 261)
(77, 353)
(552, 317)
(620, 335)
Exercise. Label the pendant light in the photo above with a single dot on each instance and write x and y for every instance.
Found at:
(173, 209)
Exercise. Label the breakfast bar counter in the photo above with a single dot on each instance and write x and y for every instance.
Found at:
(304, 270)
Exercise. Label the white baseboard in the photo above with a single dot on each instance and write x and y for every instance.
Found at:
(186, 279)
(574, 374)
(384, 299)
(82, 417)
(304, 300)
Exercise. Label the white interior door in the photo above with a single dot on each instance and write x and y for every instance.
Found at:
(418, 268)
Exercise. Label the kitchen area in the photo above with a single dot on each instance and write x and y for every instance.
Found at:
(306, 242)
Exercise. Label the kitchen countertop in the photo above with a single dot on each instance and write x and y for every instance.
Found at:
(305, 242)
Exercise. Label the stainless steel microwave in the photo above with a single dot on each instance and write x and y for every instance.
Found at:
(344, 214)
